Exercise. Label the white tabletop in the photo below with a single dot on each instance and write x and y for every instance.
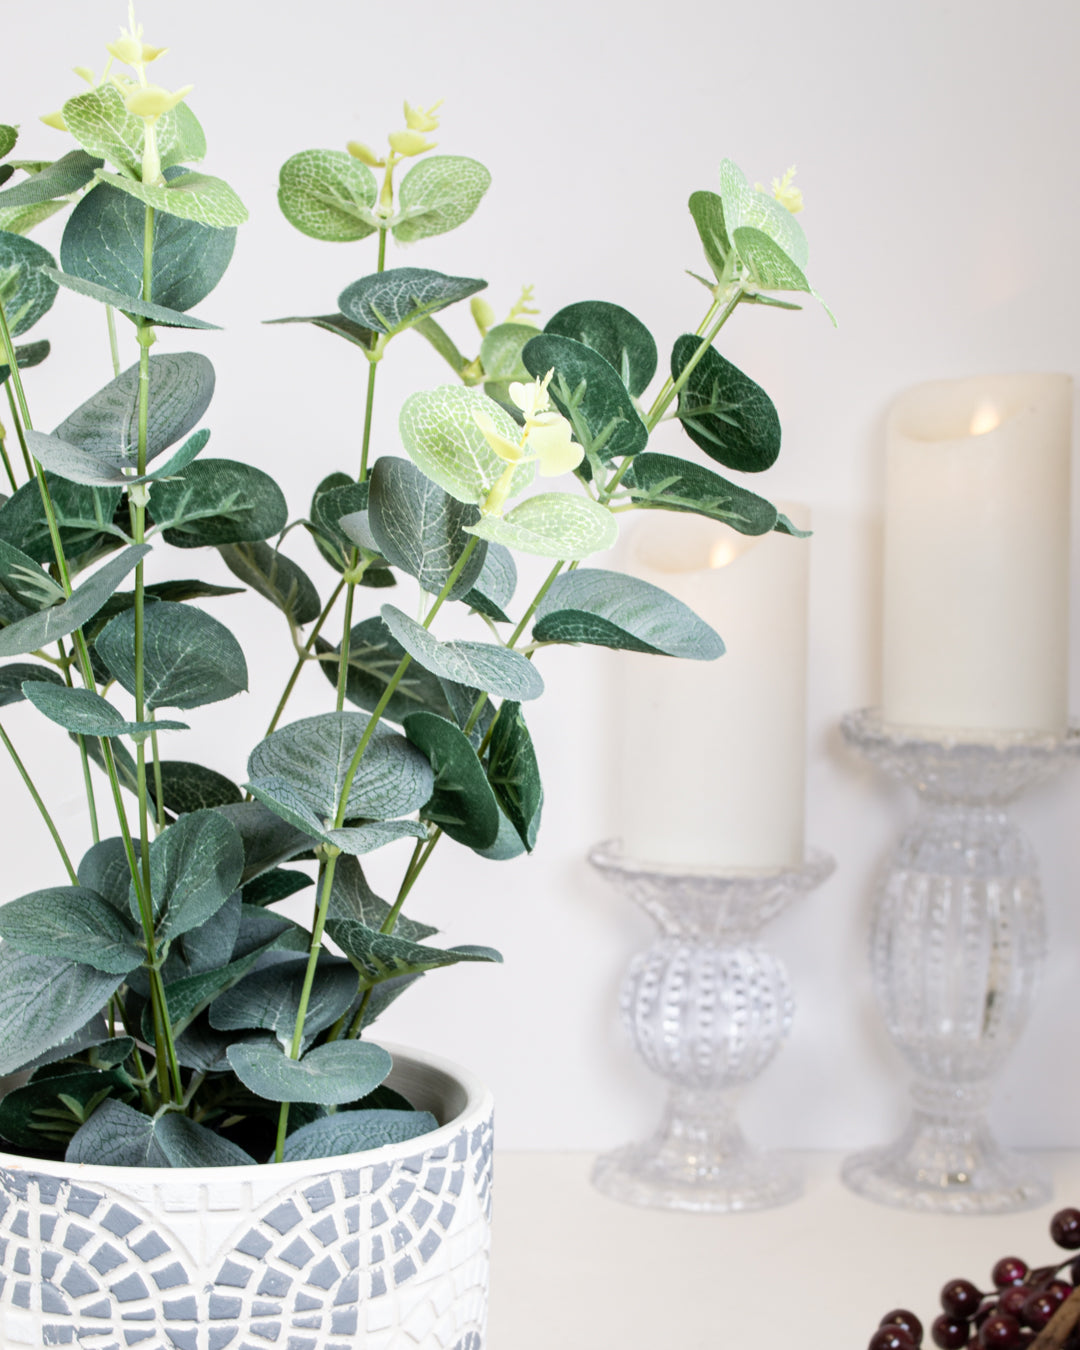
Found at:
(572, 1270)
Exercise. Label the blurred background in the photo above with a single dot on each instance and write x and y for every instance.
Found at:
(935, 145)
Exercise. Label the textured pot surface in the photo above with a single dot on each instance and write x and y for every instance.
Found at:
(386, 1249)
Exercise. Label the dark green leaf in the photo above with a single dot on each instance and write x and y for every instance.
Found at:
(352, 898)
(336, 496)
(420, 528)
(589, 391)
(379, 997)
(514, 774)
(32, 354)
(207, 947)
(462, 804)
(354, 1131)
(26, 293)
(278, 885)
(186, 1143)
(43, 1001)
(329, 1075)
(508, 843)
(276, 578)
(268, 841)
(336, 323)
(23, 579)
(103, 243)
(391, 301)
(610, 609)
(187, 454)
(117, 1136)
(621, 339)
(195, 865)
(8, 137)
(495, 670)
(85, 713)
(72, 922)
(708, 212)
(269, 999)
(216, 502)
(673, 484)
(35, 1116)
(374, 656)
(384, 956)
(39, 630)
(13, 677)
(69, 173)
(128, 304)
(104, 870)
(462, 700)
(84, 514)
(723, 411)
(190, 659)
(192, 787)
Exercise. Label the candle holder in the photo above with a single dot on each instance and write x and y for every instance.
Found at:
(707, 1009)
(957, 944)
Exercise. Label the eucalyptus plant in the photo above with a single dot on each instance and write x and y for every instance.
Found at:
(158, 1007)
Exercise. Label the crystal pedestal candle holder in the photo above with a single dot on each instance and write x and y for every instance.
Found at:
(707, 1009)
(957, 943)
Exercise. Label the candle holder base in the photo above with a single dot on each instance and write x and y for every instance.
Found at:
(706, 1007)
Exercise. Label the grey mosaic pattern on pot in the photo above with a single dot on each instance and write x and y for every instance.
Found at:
(393, 1254)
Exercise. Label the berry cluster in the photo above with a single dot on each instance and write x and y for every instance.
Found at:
(1008, 1317)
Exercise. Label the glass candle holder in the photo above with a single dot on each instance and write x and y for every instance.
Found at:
(707, 1008)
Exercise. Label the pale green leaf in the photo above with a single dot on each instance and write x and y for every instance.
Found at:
(194, 196)
(747, 206)
(444, 190)
(101, 123)
(328, 194)
(71, 172)
(439, 432)
(391, 301)
(553, 525)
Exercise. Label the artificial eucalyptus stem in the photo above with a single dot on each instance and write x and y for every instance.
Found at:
(303, 658)
(18, 429)
(7, 462)
(114, 349)
(25, 776)
(159, 787)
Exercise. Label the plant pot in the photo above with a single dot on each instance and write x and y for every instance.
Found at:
(382, 1249)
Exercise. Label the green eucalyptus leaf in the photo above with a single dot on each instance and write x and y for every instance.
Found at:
(374, 656)
(462, 699)
(508, 843)
(494, 669)
(85, 713)
(621, 339)
(105, 295)
(43, 1001)
(312, 758)
(69, 173)
(104, 870)
(785, 526)
(189, 658)
(216, 502)
(337, 496)
(73, 922)
(187, 454)
(103, 244)
(329, 1075)
(269, 999)
(352, 898)
(13, 677)
(514, 774)
(552, 525)
(276, 578)
(32, 354)
(268, 841)
(39, 630)
(279, 884)
(84, 514)
(327, 194)
(173, 591)
(379, 997)
(589, 391)
(610, 609)
(8, 137)
(707, 210)
(26, 292)
(440, 193)
(195, 865)
(384, 956)
(723, 411)
(391, 301)
(22, 219)
(374, 834)
(348, 1132)
(462, 803)
(672, 484)
(769, 267)
(118, 1136)
(26, 581)
(186, 1143)
(494, 587)
(190, 787)
(500, 355)
(745, 206)
(336, 323)
(101, 123)
(39, 1116)
(206, 947)
(420, 528)
(440, 435)
(195, 196)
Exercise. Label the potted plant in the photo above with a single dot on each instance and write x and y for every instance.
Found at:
(203, 1141)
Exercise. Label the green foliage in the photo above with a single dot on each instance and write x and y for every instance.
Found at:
(353, 1131)
(276, 578)
(500, 355)
(352, 898)
(514, 774)
(495, 670)
(85, 516)
(389, 302)
(336, 323)
(552, 525)
(216, 502)
(610, 609)
(32, 354)
(189, 659)
(672, 484)
(440, 435)
(437, 195)
(13, 677)
(328, 195)
(194, 196)
(8, 137)
(74, 922)
(45, 1113)
(269, 999)
(589, 391)
(85, 713)
(462, 804)
(723, 411)
(25, 581)
(707, 210)
(129, 305)
(26, 292)
(384, 956)
(102, 125)
(43, 1001)
(374, 656)
(328, 1075)
(621, 339)
(70, 173)
(494, 587)
(195, 865)
(118, 1136)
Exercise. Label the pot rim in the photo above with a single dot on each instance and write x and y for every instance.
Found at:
(477, 1104)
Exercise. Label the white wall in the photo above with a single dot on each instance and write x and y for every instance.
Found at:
(936, 147)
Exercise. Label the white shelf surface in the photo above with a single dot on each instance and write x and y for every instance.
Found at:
(572, 1270)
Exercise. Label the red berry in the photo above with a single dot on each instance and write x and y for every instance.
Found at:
(891, 1338)
(1009, 1270)
(1039, 1307)
(949, 1332)
(901, 1317)
(960, 1298)
(1059, 1291)
(1000, 1331)
(1012, 1300)
(1065, 1228)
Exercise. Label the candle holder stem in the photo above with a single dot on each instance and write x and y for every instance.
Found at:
(706, 1008)
(957, 943)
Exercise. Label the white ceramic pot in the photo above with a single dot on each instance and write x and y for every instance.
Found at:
(386, 1249)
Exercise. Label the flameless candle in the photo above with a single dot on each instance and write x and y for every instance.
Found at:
(977, 555)
(713, 752)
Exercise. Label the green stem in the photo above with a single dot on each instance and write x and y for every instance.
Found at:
(719, 312)
(24, 775)
(7, 463)
(114, 350)
(19, 430)
(159, 788)
(302, 660)
(346, 642)
(369, 406)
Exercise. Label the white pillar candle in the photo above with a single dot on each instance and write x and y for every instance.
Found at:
(976, 618)
(713, 752)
